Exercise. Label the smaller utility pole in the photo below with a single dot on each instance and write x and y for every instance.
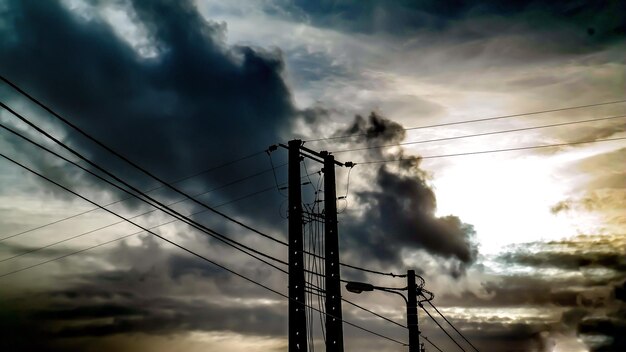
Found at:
(411, 312)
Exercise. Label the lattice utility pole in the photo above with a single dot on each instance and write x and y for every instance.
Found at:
(334, 319)
(297, 308)
(297, 283)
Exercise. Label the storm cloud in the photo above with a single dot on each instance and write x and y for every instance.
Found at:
(399, 205)
(162, 110)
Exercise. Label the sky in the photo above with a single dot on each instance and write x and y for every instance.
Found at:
(524, 250)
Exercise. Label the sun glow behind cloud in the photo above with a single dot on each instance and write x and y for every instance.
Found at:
(508, 196)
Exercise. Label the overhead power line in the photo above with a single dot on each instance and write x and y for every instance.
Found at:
(148, 200)
(477, 120)
(477, 134)
(33, 250)
(440, 327)
(490, 151)
(374, 313)
(449, 323)
(188, 250)
(223, 238)
(117, 154)
(239, 180)
(152, 228)
(431, 343)
(141, 195)
(58, 116)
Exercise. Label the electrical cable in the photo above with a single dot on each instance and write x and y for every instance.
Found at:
(73, 163)
(148, 200)
(441, 327)
(365, 162)
(127, 198)
(143, 230)
(431, 343)
(214, 233)
(345, 197)
(477, 134)
(132, 217)
(110, 150)
(374, 313)
(449, 323)
(278, 189)
(228, 241)
(132, 234)
(477, 120)
(182, 248)
(188, 221)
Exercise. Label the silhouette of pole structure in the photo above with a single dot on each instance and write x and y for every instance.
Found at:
(297, 308)
(334, 321)
(411, 312)
(410, 300)
(297, 312)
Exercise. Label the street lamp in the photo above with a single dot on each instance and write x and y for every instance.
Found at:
(358, 287)
(411, 303)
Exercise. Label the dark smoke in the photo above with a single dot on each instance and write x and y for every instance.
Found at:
(401, 206)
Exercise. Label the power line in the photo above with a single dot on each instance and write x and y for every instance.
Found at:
(491, 151)
(134, 217)
(372, 271)
(374, 313)
(144, 229)
(107, 210)
(441, 327)
(182, 248)
(117, 154)
(478, 134)
(228, 241)
(152, 228)
(135, 196)
(127, 198)
(478, 120)
(431, 343)
(449, 323)
(148, 200)
(161, 206)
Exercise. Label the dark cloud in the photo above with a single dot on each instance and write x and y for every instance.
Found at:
(376, 129)
(592, 133)
(587, 22)
(164, 294)
(198, 103)
(590, 305)
(400, 207)
(612, 328)
(569, 260)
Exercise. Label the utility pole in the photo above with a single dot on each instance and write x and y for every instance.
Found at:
(411, 312)
(334, 319)
(297, 311)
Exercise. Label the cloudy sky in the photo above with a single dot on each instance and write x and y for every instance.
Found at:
(525, 250)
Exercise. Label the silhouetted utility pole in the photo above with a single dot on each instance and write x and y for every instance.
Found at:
(297, 315)
(297, 311)
(334, 321)
(411, 312)
(411, 304)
